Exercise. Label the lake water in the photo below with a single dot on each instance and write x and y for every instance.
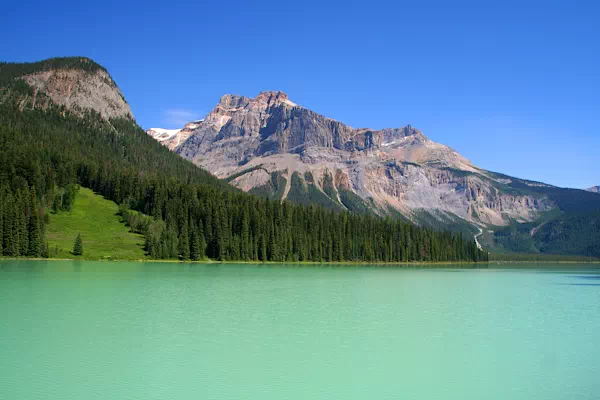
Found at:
(91, 330)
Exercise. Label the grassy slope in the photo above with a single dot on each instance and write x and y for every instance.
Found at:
(103, 233)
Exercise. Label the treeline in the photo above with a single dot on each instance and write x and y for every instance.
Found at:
(233, 226)
(188, 214)
(21, 231)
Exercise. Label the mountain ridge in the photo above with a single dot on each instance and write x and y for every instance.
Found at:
(271, 146)
(270, 133)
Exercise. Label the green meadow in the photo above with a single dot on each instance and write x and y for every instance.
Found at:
(102, 230)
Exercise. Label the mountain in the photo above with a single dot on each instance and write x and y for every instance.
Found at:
(271, 146)
(77, 83)
(594, 189)
(64, 124)
(255, 142)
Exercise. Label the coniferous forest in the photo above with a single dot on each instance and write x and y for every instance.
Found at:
(183, 211)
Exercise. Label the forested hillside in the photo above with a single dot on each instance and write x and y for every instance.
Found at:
(188, 212)
(573, 228)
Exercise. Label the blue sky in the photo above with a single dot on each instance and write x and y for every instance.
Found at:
(513, 86)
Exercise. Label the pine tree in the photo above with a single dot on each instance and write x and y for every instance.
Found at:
(202, 246)
(245, 245)
(195, 253)
(24, 215)
(150, 244)
(1, 222)
(263, 248)
(11, 247)
(78, 246)
(35, 243)
(45, 253)
(184, 243)
(273, 247)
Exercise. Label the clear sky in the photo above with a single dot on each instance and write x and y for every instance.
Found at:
(513, 86)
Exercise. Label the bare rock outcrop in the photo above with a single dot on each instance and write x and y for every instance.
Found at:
(80, 90)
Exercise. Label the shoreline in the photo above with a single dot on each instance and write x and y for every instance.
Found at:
(356, 263)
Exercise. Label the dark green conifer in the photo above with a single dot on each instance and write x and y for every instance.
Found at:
(184, 243)
(263, 248)
(1, 222)
(202, 246)
(245, 246)
(11, 237)
(195, 251)
(78, 246)
(35, 240)
(45, 253)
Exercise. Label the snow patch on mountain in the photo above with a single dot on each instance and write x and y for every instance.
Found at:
(161, 134)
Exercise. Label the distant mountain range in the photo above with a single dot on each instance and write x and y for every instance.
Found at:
(594, 189)
(273, 147)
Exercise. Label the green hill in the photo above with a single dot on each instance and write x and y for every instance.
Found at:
(102, 230)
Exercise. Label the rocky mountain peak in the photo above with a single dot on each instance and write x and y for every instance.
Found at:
(594, 189)
(244, 116)
(78, 83)
(264, 100)
(232, 101)
(273, 98)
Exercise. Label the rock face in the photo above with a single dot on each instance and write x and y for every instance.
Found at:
(272, 146)
(172, 138)
(594, 189)
(78, 90)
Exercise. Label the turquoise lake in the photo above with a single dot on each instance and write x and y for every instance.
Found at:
(93, 330)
